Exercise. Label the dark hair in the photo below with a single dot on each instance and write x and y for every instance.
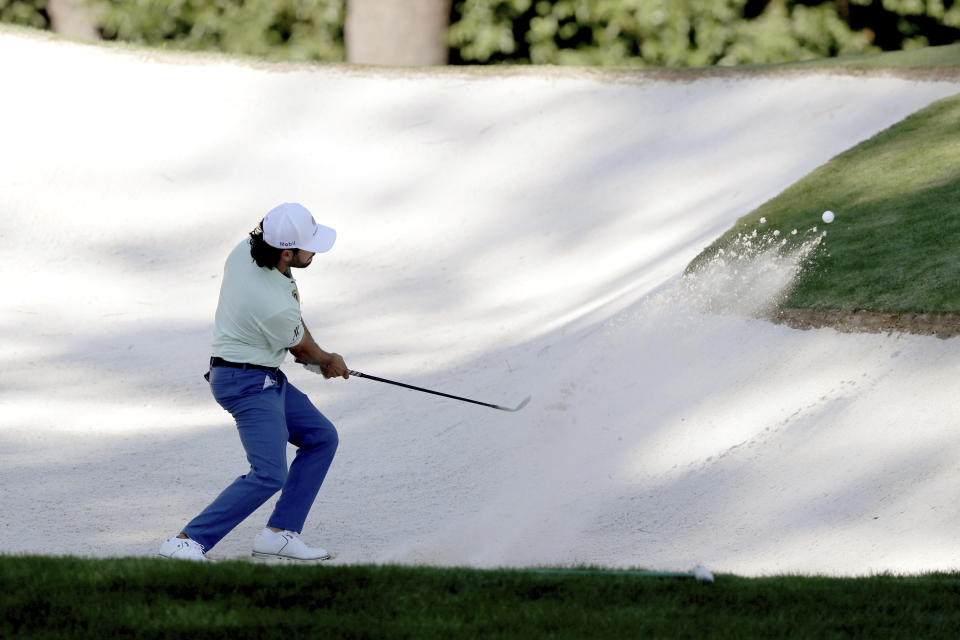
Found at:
(261, 252)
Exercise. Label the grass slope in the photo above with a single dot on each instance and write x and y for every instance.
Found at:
(896, 197)
(152, 598)
(922, 58)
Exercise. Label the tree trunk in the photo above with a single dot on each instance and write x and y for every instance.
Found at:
(71, 18)
(397, 32)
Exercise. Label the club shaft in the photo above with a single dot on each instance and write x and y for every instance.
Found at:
(410, 386)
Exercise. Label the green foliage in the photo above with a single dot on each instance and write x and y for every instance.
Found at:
(272, 29)
(909, 24)
(646, 33)
(892, 247)
(682, 33)
(651, 32)
(780, 34)
(28, 13)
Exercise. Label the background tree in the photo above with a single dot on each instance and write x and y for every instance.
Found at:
(397, 32)
(904, 24)
(272, 29)
(648, 33)
(692, 32)
(73, 18)
(27, 13)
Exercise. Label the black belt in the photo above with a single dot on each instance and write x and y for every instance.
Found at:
(217, 361)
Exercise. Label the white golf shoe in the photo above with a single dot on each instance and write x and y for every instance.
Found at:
(182, 549)
(285, 545)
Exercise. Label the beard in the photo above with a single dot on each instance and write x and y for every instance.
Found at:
(299, 262)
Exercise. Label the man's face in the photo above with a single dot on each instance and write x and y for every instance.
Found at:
(302, 259)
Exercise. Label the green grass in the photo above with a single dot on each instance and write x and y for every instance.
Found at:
(153, 598)
(893, 246)
(924, 58)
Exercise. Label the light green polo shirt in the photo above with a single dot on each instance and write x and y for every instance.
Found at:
(258, 315)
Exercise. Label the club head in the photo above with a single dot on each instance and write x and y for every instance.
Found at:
(518, 407)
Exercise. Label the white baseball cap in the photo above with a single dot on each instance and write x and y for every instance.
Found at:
(291, 226)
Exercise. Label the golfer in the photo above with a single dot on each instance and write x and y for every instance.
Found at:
(257, 322)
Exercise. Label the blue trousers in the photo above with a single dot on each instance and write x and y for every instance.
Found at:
(270, 412)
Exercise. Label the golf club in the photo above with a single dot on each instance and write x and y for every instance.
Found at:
(360, 374)
(438, 393)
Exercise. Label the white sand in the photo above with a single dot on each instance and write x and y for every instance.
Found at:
(499, 237)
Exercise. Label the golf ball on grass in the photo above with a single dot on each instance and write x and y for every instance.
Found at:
(702, 574)
(827, 216)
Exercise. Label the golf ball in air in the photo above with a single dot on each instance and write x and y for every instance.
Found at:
(827, 216)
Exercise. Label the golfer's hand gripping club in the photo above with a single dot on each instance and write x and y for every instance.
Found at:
(325, 370)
